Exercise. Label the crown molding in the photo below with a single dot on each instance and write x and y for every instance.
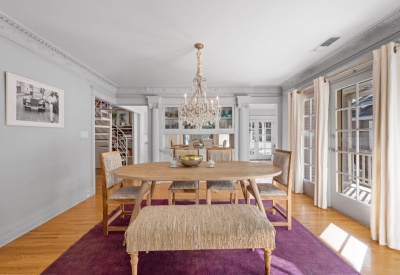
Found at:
(376, 35)
(19, 34)
(212, 91)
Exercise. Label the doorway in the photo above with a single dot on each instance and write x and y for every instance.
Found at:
(262, 138)
(351, 146)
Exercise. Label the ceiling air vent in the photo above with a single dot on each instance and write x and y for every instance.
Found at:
(326, 43)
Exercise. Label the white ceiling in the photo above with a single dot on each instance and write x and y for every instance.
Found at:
(150, 43)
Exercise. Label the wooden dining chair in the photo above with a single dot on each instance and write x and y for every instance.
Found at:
(183, 186)
(279, 190)
(221, 186)
(114, 191)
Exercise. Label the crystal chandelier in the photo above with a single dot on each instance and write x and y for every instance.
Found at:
(199, 110)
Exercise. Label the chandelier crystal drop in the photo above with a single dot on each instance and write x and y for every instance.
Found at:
(200, 110)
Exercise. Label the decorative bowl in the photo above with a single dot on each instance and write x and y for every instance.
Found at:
(190, 160)
(198, 144)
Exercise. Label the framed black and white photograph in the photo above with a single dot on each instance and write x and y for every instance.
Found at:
(31, 103)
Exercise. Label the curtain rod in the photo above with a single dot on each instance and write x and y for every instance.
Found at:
(305, 89)
(349, 68)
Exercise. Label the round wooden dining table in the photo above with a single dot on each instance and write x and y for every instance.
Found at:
(228, 170)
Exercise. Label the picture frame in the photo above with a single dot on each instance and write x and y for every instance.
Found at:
(122, 118)
(31, 103)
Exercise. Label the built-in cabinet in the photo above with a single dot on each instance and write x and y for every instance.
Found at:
(171, 122)
(180, 133)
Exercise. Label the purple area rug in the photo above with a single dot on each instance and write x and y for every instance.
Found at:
(297, 252)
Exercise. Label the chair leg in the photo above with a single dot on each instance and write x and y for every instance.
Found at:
(197, 196)
(170, 198)
(122, 210)
(231, 198)
(173, 198)
(273, 207)
(289, 213)
(105, 218)
(236, 196)
(148, 200)
(208, 196)
(247, 197)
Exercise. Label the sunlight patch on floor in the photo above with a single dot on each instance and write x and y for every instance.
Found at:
(334, 237)
(349, 247)
(354, 251)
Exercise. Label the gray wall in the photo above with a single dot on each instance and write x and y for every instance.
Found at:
(43, 171)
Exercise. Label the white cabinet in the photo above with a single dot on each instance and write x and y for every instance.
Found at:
(226, 120)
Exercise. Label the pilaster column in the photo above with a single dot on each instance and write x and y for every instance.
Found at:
(154, 103)
(244, 120)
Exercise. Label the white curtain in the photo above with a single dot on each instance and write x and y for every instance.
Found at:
(296, 127)
(321, 94)
(385, 203)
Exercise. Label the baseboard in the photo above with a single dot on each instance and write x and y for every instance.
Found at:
(25, 224)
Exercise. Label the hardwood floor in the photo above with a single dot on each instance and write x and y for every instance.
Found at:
(34, 251)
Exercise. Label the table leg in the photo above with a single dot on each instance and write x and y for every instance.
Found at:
(257, 195)
(139, 200)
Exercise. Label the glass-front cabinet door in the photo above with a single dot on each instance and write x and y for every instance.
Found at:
(171, 118)
(225, 122)
(262, 139)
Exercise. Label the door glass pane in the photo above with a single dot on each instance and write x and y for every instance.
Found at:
(365, 141)
(347, 141)
(347, 186)
(307, 107)
(346, 163)
(307, 171)
(309, 140)
(346, 119)
(346, 97)
(307, 123)
(365, 117)
(307, 156)
(365, 94)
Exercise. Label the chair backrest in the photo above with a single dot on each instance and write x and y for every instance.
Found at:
(282, 159)
(110, 161)
(185, 151)
(219, 154)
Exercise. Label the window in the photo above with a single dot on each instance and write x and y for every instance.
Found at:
(308, 137)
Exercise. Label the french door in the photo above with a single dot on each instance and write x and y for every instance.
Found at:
(262, 139)
(351, 146)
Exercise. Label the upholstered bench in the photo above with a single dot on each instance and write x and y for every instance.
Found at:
(197, 227)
